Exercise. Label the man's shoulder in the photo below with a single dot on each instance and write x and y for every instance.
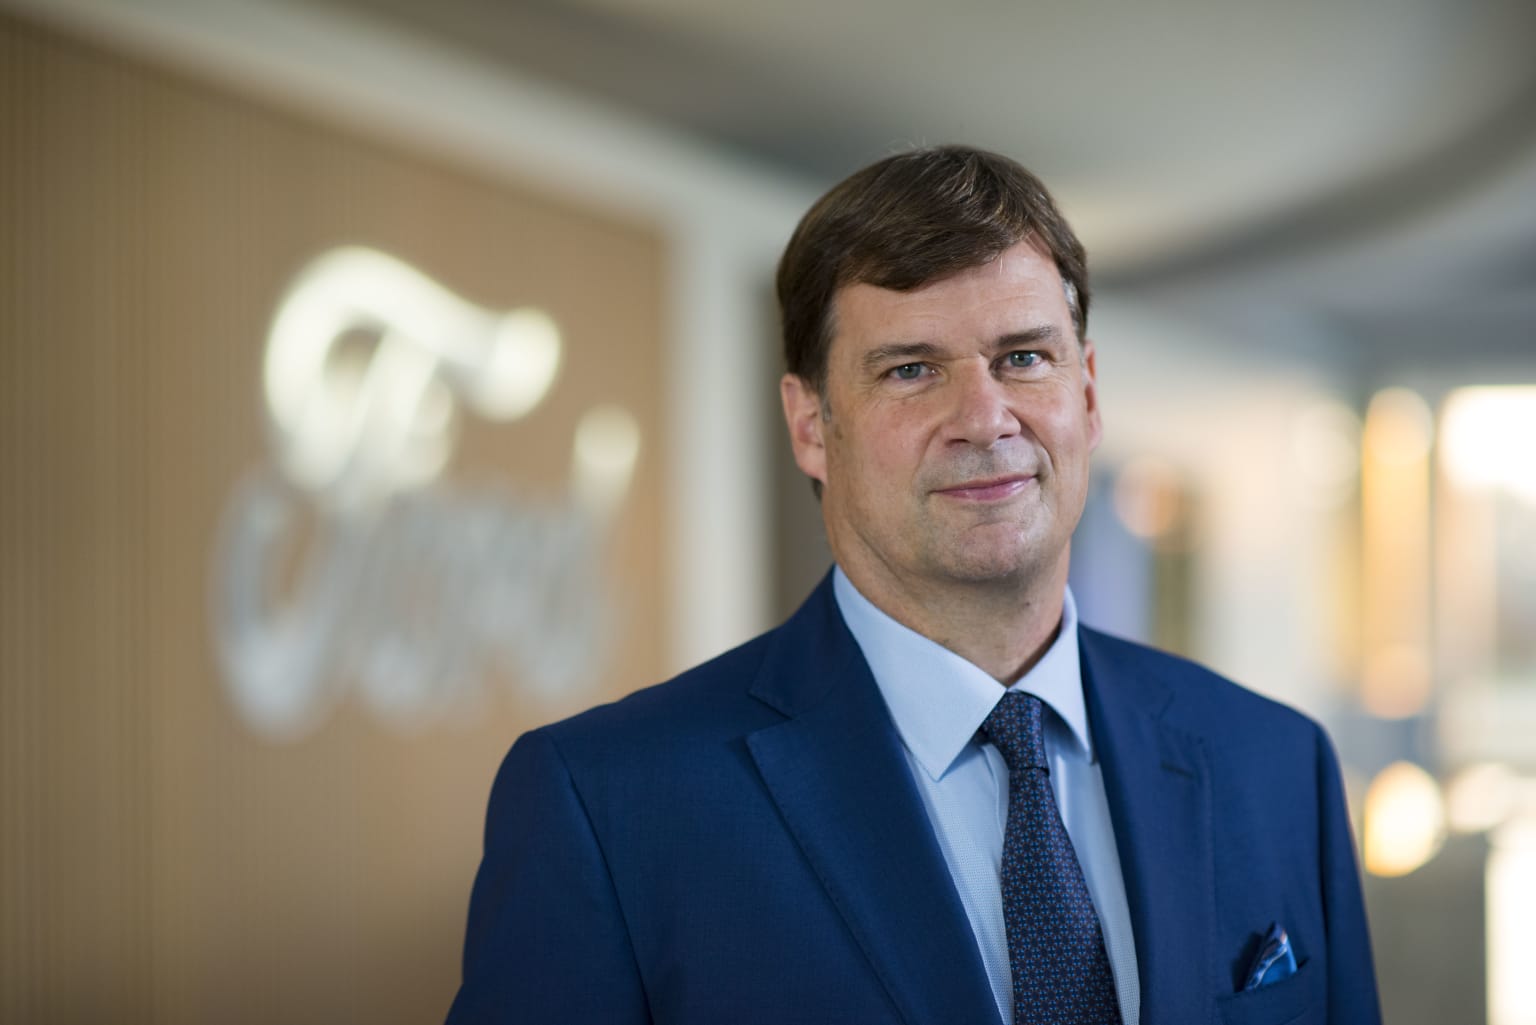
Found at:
(1190, 695)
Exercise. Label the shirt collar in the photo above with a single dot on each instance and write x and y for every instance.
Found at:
(939, 700)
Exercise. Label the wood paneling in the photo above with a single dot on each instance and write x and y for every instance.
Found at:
(159, 860)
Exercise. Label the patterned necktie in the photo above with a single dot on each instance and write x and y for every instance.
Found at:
(1055, 949)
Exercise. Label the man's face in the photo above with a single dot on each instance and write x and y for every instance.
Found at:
(954, 436)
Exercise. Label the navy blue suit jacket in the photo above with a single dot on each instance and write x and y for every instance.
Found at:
(745, 844)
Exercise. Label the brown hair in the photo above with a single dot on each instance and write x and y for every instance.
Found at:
(909, 220)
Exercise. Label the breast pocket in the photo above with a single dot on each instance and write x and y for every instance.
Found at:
(1299, 1000)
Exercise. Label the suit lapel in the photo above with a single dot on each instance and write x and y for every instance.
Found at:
(836, 771)
(1157, 784)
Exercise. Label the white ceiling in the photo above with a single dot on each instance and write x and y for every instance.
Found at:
(1341, 158)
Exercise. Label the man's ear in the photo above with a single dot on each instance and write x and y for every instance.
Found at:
(802, 414)
(1091, 394)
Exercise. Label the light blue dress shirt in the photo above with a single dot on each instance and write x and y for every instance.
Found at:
(938, 701)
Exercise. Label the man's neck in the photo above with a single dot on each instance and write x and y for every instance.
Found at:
(1002, 627)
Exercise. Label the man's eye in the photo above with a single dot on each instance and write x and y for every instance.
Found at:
(1023, 359)
(908, 372)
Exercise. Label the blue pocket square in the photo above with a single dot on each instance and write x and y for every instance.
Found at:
(1274, 961)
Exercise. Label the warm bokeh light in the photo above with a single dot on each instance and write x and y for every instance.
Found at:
(1395, 680)
(1148, 498)
(1404, 821)
(1481, 796)
(1399, 427)
(1485, 574)
(1326, 443)
(1488, 439)
(1395, 588)
(1511, 910)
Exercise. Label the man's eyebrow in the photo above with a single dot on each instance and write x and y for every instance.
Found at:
(882, 356)
(1043, 334)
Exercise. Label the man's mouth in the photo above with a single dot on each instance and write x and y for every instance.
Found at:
(990, 489)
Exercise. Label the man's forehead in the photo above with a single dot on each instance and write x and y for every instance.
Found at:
(872, 269)
(1021, 283)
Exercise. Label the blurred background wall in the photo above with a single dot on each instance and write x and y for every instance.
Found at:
(286, 566)
(173, 853)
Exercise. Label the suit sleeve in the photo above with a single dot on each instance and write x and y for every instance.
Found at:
(1352, 996)
(546, 939)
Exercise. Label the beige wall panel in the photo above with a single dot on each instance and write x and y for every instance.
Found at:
(161, 861)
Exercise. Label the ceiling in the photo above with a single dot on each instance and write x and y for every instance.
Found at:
(1367, 167)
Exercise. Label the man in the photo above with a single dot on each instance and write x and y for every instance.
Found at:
(930, 796)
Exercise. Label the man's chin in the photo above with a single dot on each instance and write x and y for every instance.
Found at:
(998, 570)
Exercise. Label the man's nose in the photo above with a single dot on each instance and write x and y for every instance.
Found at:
(982, 413)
